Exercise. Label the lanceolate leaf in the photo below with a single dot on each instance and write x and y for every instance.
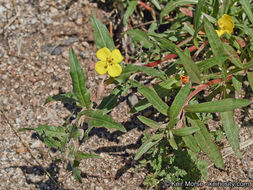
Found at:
(179, 100)
(247, 8)
(97, 119)
(154, 99)
(217, 106)
(231, 130)
(166, 44)
(130, 9)
(234, 58)
(149, 122)
(140, 36)
(237, 82)
(197, 15)
(172, 141)
(64, 98)
(156, 3)
(174, 4)
(80, 155)
(214, 40)
(191, 143)
(102, 35)
(205, 142)
(207, 64)
(162, 89)
(190, 67)
(78, 80)
(250, 79)
(184, 131)
(152, 141)
(248, 65)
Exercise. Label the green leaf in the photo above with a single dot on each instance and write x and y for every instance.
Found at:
(166, 44)
(152, 141)
(231, 130)
(197, 15)
(161, 89)
(250, 79)
(149, 122)
(109, 102)
(174, 4)
(76, 174)
(191, 143)
(217, 106)
(80, 155)
(130, 9)
(140, 36)
(214, 40)
(179, 100)
(248, 9)
(79, 80)
(102, 35)
(190, 67)
(67, 98)
(205, 142)
(96, 118)
(156, 3)
(154, 99)
(237, 82)
(184, 131)
(248, 65)
(207, 64)
(233, 57)
(172, 141)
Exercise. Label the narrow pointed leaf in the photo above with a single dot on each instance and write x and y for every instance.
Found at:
(130, 9)
(152, 141)
(76, 175)
(64, 98)
(179, 100)
(197, 15)
(140, 36)
(162, 89)
(172, 141)
(101, 33)
(206, 144)
(248, 9)
(250, 79)
(80, 155)
(233, 57)
(191, 143)
(190, 67)
(217, 106)
(174, 4)
(149, 122)
(248, 65)
(237, 82)
(184, 131)
(214, 40)
(79, 80)
(96, 118)
(231, 130)
(154, 99)
(156, 3)
(209, 63)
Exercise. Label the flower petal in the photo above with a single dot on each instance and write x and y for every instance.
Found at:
(103, 53)
(220, 32)
(114, 70)
(116, 55)
(101, 67)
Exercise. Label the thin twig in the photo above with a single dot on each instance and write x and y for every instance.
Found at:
(10, 22)
(26, 146)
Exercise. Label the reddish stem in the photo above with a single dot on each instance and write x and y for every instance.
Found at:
(167, 57)
(145, 6)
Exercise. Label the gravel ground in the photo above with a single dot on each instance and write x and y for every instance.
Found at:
(34, 46)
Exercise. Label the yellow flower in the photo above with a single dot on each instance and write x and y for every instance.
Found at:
(226, 25)
(109, 62)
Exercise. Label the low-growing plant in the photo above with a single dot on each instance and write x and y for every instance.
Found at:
(211, 63)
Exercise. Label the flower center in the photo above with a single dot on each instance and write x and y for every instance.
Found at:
(109, 60)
